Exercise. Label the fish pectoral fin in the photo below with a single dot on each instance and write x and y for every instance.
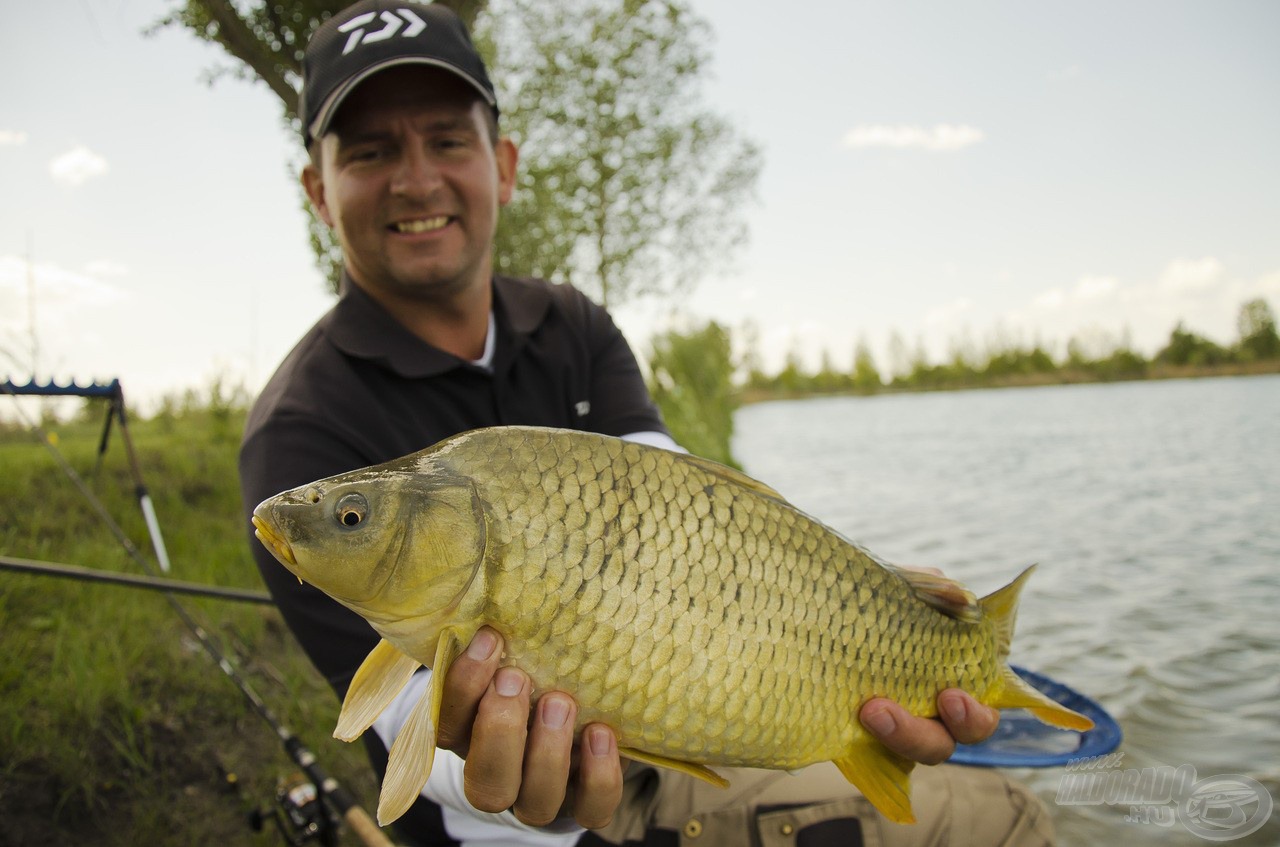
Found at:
(382, 674)
(414, 750)
(946, 595)
(1013, 692)
(700, 771)
(882, 776)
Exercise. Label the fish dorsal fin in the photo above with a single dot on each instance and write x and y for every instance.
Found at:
(1001, 606)
(382, 674)
(732, 475)
(414, 750)
(700, 771)
(946, 595)
(1012, 692)
(882, 776)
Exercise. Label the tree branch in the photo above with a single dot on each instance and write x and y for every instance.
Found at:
(238, 38)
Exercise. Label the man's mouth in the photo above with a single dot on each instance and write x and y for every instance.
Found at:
(420, 225)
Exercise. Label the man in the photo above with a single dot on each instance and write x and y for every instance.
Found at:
(408, 168)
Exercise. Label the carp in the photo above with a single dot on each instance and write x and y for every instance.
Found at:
(691, 608)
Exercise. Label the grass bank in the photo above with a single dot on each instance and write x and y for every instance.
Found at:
(115, 726)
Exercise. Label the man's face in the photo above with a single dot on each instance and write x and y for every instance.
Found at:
(411, 182)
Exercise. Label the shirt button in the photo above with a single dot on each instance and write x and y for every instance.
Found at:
(693, 828)
(787, 829)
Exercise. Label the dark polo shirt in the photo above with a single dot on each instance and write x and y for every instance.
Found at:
(359, 389)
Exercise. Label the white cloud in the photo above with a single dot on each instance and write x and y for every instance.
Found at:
(939, 138)
(949, 313)
(1051, 299)
(9, 136)
(58, 291)
(1095, 287)
(1190, 275)
(105, 267)
(77, 165)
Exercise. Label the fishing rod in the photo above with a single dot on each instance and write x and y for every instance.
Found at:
(57, 569)
(329, 794)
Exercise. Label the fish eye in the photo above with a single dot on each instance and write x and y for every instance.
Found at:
(351, 510)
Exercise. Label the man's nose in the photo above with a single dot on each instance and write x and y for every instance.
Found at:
(417, 174)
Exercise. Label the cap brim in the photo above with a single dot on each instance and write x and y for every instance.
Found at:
(330, 107)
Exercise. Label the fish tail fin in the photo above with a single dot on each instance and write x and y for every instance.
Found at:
(1001, 606)
(1012, 692)
(882, 776)
(413, 752)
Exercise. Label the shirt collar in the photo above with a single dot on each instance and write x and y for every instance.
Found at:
(359, 326)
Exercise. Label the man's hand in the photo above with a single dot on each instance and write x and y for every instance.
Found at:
(962, 720)
(533, 767)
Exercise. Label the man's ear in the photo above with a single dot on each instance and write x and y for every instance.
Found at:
(508, 158)
(313, 184)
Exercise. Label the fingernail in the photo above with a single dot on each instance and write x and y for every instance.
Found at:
(482, 645)
(555, 711)
(600, 740)
(880, 722)
(955, 707)
(508, 682)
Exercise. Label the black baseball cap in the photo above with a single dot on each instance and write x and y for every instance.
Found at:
(373, 35)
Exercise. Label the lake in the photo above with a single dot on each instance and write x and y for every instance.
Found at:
(1153, 512)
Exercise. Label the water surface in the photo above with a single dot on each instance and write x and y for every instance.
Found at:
(1153, 512)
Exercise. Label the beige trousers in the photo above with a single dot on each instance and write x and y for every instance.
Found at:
(954, 805)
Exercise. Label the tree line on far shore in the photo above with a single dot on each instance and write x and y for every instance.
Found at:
(1097, 359)
(698, 383)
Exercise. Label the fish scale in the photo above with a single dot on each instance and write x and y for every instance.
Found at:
(687, 606)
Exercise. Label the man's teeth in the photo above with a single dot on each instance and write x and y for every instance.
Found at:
(424, 225)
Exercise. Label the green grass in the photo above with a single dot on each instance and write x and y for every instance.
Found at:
(116, 728)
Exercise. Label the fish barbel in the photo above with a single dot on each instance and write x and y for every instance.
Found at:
(684, 604)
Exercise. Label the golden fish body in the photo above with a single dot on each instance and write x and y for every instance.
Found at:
(689, 607)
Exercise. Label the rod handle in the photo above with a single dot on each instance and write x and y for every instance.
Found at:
(358, 820)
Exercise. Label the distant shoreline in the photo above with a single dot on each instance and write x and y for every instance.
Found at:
(748, 396)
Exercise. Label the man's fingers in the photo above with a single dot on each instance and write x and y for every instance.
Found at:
(491, 776)
(547, 758)
(599, 786)
(465, 684)
(919, 739)
(969, 721)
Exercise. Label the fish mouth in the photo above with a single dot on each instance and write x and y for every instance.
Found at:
(273, 541)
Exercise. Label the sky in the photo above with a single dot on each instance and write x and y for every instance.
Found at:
(958, 174)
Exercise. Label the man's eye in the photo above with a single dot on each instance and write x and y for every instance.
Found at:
(450, 144)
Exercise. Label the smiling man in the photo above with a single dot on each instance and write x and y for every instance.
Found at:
(409, 169)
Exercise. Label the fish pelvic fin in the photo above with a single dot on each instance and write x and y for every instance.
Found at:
(690, 768)
(382, 674)
(1001, 606)
(1013, 692)
(882, 776)
(414, 750)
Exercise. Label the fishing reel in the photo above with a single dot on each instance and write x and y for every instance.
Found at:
(299, 813)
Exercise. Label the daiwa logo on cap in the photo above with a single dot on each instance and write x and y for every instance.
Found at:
(391, 26)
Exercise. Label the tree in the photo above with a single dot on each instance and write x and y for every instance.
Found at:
(1257, 326)
(866, 377)
(1187, 348)
(628, 185)
(692, 384)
